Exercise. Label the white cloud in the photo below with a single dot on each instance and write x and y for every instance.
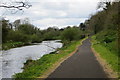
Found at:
(63, 22)
(45, 13)
(64, 0)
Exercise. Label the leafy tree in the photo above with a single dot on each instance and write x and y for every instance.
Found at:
(35, 38)
(17, 36)
(82, 26)
(5, 30)
(0, 33)
(105, 5)
(71, 34)
(16, 23)
(27, 29)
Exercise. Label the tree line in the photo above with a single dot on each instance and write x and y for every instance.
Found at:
(105, 24)
(106, 20)
(24, 31)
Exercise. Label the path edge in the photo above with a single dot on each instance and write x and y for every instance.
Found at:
(106, 67)
(58, 63)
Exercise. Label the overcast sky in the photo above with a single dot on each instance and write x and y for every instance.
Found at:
(48, 13)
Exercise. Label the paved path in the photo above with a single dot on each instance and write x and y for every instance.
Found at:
(82, 64)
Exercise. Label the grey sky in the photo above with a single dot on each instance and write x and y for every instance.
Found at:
(61, 13)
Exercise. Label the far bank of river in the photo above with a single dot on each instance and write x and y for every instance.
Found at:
(13, 60)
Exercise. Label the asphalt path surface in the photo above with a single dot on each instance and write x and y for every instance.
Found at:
(82, 64)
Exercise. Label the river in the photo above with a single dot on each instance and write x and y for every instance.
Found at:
(13, 60)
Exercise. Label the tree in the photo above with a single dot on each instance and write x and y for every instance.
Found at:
(71, 34)
(16, 23)
(104, 5)
(25, 21)
(5, 30)
(17, 36)
(51, 33)
(27, 29)
(0, 33)
(20, 5)
(14, 6)
(82, 26)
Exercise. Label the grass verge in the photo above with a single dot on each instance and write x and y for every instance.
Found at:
(108, 55)
(34, 69)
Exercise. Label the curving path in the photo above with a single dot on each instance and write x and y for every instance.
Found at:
(82, 64)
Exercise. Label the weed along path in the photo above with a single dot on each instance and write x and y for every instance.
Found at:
(82, 64)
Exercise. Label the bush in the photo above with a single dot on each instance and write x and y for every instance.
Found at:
(17, 36)
(35, 38)
(107, 36)
(48, 36)
(71, 34)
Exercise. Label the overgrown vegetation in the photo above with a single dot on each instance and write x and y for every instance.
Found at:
(33, 69)
(105, 25)
(106, 52)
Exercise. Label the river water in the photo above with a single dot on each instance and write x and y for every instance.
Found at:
(13, 60)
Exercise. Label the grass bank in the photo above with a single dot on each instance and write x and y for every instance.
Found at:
(9, 45)
(34, 69)
(106, 52)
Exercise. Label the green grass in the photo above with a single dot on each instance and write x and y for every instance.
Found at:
(33, 69)
(106, 52)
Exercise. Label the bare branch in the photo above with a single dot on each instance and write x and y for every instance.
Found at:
(20, 5)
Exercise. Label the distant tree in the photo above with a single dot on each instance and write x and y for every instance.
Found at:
(68, 27)
(104, 5)
(51, 33)
(27, 29)
(16, 23)
(61, 29)
(17, 36)
(10, 26)
(71, 34)
(25, 21)
(0, 33)
(74, 26)
(82, 26)
(5, 30)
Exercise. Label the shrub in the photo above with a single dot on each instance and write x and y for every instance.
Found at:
(71, 34)
(17, 36)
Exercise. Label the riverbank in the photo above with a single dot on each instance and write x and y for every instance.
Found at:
(41, 67)
(16, 57)
(9, 45)
(108, 58)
